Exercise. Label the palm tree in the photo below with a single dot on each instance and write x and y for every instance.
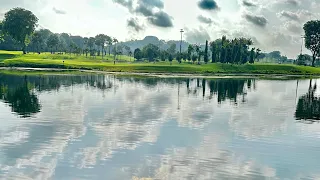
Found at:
(115, 41)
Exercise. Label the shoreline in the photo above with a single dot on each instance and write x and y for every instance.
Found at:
(164, 75)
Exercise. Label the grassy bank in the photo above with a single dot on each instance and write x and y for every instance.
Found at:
(125, 64)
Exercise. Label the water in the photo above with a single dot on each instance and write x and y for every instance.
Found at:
(121, 127)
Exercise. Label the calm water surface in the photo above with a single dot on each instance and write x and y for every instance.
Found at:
(115, 127)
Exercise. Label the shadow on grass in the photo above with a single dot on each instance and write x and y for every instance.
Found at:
(6, 56)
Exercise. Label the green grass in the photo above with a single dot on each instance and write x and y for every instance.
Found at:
(47, 60)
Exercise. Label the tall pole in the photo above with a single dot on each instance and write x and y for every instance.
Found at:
(181, 31)
(302, 37)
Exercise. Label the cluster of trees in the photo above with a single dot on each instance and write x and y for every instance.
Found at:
(17, 31)
(235, 51)
(274, 57)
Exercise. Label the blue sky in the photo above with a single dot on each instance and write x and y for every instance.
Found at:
(272, 24)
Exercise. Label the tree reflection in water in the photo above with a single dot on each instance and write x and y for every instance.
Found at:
(21, 99)
(20, 92)
(308, 107)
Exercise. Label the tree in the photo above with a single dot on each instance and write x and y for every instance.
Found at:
(205, 57)
(101, 40)
(275, 55)
(137, 54)
(91, 41)
(194, 58)
(303, 59)
(213, 48)
(223, 49)
(52, 42)
(179, 57)
(62, 45)
(199, 53)
(115, 41)
(258, 53)
(150, 51)
(190, 51)
(37, 41)
(86, 41)
(128, 49)
(73, 47)
(20, 23)
(312, 38)
(171, 52)
(164, 55)
(252, 56)
(109, 42)
(170, 58)
(1, 32)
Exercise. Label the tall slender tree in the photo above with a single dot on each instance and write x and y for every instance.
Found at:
(213, 48)
(205, 56)
(115, 41)
(252, 55)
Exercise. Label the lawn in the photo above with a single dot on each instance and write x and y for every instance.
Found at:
(126, 64)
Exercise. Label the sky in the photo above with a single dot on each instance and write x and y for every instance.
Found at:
(272, 24)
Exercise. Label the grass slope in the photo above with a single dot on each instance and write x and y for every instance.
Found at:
(46, 60)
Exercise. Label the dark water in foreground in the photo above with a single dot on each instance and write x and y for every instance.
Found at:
(109, 127)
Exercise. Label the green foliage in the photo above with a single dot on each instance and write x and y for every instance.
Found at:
(179, 57)
(252, 55)
(303, 59)
(312, 38)
(206, 58)
(101, 40)
(164, 55)
(172, 49)
(194, 58)
(170, 58)
(150, 51)
(213, 48)
(190, 51)
(53, 42)
(137, 54)
(20, 23)
(1, 32)
(90, 44)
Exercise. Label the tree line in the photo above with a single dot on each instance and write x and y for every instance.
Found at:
(234, 51)
(18, 30)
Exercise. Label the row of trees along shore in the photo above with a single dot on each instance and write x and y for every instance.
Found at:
(221, 50)
(18, 30)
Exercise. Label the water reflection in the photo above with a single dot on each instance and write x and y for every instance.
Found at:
(120, 127)
(20, 92)
(308, 107)
(22, 99)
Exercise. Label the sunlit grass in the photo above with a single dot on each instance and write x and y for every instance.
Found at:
(67, 61)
